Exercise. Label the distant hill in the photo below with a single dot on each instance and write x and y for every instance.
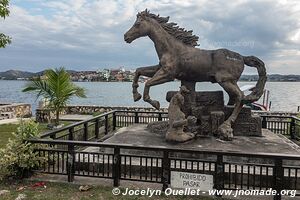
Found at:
(16, 74)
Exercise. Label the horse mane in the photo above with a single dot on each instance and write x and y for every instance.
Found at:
(181, 34)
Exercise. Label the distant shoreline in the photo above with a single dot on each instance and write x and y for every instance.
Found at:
(123, 75)
(143, 82)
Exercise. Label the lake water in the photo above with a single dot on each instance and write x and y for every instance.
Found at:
(285, 96)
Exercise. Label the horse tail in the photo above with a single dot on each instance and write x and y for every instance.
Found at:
(257, 92)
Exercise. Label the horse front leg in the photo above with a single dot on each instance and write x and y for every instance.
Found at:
(142, 71)
(160, 77)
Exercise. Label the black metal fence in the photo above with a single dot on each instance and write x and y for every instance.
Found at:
(85, 130)
(99, 126)
(71, 151)
(251, 171)
(106, 123)
(285, 125)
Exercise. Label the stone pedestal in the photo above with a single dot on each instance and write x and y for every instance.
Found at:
(209, 109)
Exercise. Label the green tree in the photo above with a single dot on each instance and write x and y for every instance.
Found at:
(57, 87)
(4, 12)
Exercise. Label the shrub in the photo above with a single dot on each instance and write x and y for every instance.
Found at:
(18, 157)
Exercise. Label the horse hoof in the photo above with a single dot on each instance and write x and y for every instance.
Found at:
(156, 104)
(225, 132)
(137, 96)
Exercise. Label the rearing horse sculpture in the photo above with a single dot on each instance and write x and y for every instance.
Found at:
(179, 59)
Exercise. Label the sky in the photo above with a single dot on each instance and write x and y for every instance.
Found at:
(88, 34)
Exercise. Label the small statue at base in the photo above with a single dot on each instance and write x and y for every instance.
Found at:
(177, 119)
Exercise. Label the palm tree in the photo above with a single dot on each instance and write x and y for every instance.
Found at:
(57, 87)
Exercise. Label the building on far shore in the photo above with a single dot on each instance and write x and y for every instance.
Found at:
(119, 75)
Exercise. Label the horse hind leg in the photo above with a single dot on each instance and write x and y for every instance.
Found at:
(142, 71)
(225, 130)
(232, 100)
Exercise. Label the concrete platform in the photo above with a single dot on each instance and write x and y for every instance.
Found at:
(139, 135)
(268, 143)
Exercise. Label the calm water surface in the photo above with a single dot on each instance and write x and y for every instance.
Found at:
(285, 96)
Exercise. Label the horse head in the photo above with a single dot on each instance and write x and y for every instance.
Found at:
(140, 28)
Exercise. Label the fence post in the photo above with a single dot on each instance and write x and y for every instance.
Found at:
(85, 131)
(97, 128)
(219, 170)
(136, 118)
(292, 128)
(165, 170)
(159, 117)
(116, 167)
(53, 137)
(71, 133)
(278, 178)
(264, 122)
(71, 163)
(106, 124)
(114, 121)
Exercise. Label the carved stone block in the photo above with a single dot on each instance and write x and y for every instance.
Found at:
(251, 127)
(208, 101)
(245, 124)
(205, 126)
(244, 115)
(212, 101)
(217, 118)
(198, 111)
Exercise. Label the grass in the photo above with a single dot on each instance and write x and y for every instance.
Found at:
(63, 191)
(6, 131)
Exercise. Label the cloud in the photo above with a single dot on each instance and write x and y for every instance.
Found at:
(81, 34)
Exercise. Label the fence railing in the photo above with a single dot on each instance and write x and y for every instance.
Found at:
(231, 170)
(89, 129)
(106, 123)
(127, 118)
(101, 125)
(67, 153)
(285, 125)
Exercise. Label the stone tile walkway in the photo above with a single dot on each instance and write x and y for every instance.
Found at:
(12, 121)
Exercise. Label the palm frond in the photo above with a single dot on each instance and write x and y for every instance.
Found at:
(57, 87)
(39, 86)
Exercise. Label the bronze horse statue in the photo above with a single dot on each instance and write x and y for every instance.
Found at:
(179, 59)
